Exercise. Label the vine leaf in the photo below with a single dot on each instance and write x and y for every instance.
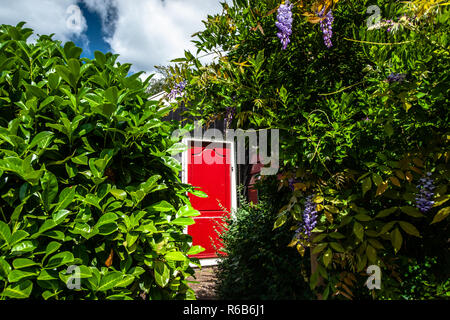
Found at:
(395, 181)
(381, 188)
(396, 239)
(441, 215)
(366, 185)
(358, 229)
(409, 228)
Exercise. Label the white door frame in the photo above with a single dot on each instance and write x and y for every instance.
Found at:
(233, 192)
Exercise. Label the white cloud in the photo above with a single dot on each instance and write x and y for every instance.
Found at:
(143, 32)
(45, 17)
(153, 32)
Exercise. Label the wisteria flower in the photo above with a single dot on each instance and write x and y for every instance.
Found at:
(284, 23)
(291, 182)
(230, 113)
(424, 197)
(177, 90)
(309, 219)
(326, 25)
(396, 77)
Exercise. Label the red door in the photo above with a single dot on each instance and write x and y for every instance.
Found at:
(215, 180)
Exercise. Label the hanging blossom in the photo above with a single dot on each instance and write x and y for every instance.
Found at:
(291, 182)
(230, 113)
(394, 25)
(390, 23)
(424, 197)
(396, 77)
(309, 219)
(284, 23)
(177, 90)
(326, 25)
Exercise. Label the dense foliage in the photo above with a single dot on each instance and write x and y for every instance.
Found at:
(362, 104)
(257, 264)
(86, 179)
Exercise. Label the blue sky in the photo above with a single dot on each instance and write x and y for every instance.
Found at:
(94, 33)
(143, 32)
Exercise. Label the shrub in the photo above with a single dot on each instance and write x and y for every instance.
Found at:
(422, 282)
(257, 263)
(363, 122)
(86, 179)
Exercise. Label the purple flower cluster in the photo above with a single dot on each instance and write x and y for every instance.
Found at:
(425, 194)
(291, 182)
(177, 90)
(284, 23)
(391, 23)
(309, 219)
(396, 77)
(326, 25)
(388, 22)
(230, 113)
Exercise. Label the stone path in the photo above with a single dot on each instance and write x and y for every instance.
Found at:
(204, 289)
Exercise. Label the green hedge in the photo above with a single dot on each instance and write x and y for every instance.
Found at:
(86, 179)
(258, 265)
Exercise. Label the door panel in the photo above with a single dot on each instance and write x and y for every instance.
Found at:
(209, 168)
(204, 233)
(214, 179)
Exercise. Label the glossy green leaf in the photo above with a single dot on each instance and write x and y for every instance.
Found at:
(195, 250)
(20, 263)
(5, 268)
(65, 199)
(106, 219)
(187, 211)
(60, 216)
(183, 221)
(177, 148)
(162, 274)
(21, 290)
(109, 281)
(18, 236)
(17, 275)
(59, 259)
(162, 206)
(24, 246)
(175, 256)
(5, 232)
(119, 194)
